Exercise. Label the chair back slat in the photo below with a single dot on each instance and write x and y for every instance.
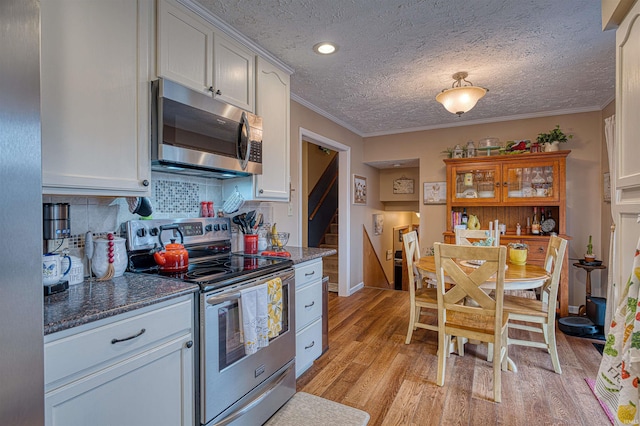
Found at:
(412, 253)
(468, 280)
(553, 264)
(467, 237)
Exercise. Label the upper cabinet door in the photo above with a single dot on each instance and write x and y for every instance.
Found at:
(193, 53)
(273, 101)
(475, 183)
(185, 48)
(234, 73)
(94, 76)
(533, 181)
(627, 166)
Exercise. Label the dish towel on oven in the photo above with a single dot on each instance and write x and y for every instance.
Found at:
(255, 331)
(274, 291)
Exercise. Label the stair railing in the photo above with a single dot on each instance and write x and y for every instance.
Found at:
(323, 204)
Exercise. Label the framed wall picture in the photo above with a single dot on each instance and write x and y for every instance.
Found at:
(378, 223)
(435, 193)
(359, 190)
(403, 185)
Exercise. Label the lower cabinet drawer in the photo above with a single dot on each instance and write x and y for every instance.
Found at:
(537, 250)
(308, 272)
(90, 349)
(308, 304)
(308, 346)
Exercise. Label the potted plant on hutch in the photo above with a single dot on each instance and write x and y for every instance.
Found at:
(551, 141)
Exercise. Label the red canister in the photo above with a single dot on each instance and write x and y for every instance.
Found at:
(251, 243)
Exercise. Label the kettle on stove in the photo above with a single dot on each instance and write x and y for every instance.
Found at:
(173, 257)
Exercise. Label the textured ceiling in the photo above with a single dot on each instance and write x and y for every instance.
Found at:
(536, 57)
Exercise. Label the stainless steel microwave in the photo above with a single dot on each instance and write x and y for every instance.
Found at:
(192, 133)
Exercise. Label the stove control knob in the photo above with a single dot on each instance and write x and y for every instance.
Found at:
(141, 232)
(216, 227)
(224, 226)
(153, 232)
(208, 228)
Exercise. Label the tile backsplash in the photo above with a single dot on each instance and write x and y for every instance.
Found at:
(172, 196)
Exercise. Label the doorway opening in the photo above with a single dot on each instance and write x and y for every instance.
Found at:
(309, 140)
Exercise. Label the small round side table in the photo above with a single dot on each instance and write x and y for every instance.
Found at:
(588, 268)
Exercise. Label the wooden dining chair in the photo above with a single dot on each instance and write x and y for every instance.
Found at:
(420, 295)
(467, 237)
(542, 312)
(465, 310)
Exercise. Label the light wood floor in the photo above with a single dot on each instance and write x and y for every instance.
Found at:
(369, 367)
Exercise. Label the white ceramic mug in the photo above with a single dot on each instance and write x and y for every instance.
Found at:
(52, 268)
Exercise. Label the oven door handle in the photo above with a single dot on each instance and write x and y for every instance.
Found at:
(251, 404)
(217, 300)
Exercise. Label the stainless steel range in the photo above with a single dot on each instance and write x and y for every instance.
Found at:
(234, 388)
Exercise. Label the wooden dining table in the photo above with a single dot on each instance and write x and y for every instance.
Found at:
(516, 277)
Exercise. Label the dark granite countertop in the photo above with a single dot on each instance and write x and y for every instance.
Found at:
(87, 302)
(304, 254)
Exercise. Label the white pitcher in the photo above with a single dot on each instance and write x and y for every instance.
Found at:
(100, 261)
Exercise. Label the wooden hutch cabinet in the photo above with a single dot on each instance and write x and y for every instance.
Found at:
(507, 188)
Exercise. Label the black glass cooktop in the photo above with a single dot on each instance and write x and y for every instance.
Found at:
(222, 270)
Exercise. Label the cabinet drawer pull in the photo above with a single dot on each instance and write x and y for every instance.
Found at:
(308, 306)
(308, 274)
(540, 249)
(310, 346)
(114, 341)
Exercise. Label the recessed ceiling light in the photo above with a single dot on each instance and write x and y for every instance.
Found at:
(325, 48)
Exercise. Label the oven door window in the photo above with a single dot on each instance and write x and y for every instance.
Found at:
(231, 345)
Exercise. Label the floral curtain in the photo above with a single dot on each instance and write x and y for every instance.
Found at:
(617, 381)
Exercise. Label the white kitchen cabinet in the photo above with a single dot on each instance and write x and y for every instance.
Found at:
(272, 104)
(233, 73)
(193, 53)
(185, 47)
(95, 72)
(625, 171)
(147, 379)
(273, 99)
(308, 314)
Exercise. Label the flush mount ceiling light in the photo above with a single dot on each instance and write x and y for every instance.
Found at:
(325, 48)
(462, 96)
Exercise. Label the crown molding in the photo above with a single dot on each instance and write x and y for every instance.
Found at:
(487, 121)
(325, 114)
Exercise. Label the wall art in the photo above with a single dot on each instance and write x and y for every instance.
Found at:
(435, 193)
(359, 190)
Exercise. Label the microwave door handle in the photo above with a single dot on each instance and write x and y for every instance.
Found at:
(244, 125)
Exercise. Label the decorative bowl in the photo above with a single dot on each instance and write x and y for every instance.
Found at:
(489, 143)
(278, 240)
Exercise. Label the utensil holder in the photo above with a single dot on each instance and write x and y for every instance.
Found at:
(251, 244)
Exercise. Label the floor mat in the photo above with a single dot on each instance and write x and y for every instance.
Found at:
(599, 347)
(591, 383)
